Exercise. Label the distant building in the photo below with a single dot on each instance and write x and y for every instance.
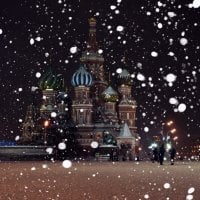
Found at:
(99, 112)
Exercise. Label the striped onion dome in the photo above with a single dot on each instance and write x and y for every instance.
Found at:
(110, 95)
(81, 78)
(50, 81)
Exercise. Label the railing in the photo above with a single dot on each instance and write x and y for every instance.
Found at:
(88, 141)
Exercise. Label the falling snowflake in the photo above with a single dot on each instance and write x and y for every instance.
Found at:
(53, 114)
(181, 107)
(32, 41)
(173, 101)
(166, 186)
(183, 41)
(189, 197)
(120, 28)
(160, 25)
(94, 144)
(195, 4)
(171, 14)
(154, 54)
(100, 51)
(49, 150)
(112, 7)
(191, 190)
(140, 77)
(62, 146)
(67, 164)
(73, 49)
(119, 70)
(17, 138)
(38, 75)
(170, 78)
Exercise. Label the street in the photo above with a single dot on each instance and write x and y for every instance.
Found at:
(38, 180)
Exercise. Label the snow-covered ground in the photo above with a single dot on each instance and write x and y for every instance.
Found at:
(93, 180)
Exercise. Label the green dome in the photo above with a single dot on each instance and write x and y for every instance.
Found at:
(51, 81)
(110, 95)
(124, 77)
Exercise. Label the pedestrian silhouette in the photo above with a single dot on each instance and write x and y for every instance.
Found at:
(172, 155)
(161, 154)
(155, 155)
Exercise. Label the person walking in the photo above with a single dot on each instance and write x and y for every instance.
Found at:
(172, 155)
(155, 155)
(161, 154)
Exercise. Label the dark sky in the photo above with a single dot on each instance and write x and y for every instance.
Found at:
(159, 38)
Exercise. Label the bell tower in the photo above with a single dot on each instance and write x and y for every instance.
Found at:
(94, 61)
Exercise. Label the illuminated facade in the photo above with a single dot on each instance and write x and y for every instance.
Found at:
(99, 112)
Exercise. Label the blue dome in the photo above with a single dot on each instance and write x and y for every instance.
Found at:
(81, 77)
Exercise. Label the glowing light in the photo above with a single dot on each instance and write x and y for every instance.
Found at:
(170, 123)
(46, 123)
(173, 130)
(168, 146)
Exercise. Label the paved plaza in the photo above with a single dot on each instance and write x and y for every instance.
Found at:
(38, 180)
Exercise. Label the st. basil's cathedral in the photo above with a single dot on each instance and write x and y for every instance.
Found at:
(99, 116)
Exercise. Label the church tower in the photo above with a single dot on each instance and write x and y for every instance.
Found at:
(94, 62)
(127, 105)
(110, 97)
(49, 84)
(82, 103)
(29, 127)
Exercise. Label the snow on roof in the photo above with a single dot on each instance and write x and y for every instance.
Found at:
(125, 132)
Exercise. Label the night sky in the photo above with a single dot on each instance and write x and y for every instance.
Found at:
(160, 41)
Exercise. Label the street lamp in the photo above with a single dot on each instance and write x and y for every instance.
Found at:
(46, 124)
(169, 123)
(173, 130)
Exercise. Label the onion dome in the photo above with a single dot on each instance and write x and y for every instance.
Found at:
(124, 77)
(110, 95)
(81, 78)
(51, 81)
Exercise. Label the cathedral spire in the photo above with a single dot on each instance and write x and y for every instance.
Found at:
(92, 42)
